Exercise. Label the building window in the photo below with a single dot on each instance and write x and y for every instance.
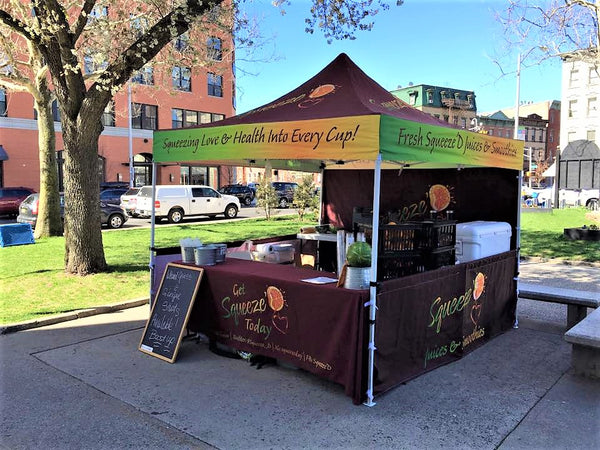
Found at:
(593, 76)
(491, 131)
(182, 78)
(108, 116)
(571, 136)
(463, 122)
(532, 138)
(591, 135)
(144, 116)
(572, 108)
(93, 64)
(215, 85)
(592, 107)
(98, 12)
(430, 97)
(213, 49)
(55, 112)
(182, 118)
(551, 136)
(573, 77)
(526, 134)
(2, 103)
(182, 42)
(144, 76)
(412, 98)
(508, 133)
(541, 135)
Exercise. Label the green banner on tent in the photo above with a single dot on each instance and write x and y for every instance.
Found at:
(343, 138)
(403, 140)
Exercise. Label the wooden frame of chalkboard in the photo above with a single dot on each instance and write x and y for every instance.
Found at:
(176, 293)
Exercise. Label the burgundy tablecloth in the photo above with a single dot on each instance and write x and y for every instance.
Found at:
(319, 328)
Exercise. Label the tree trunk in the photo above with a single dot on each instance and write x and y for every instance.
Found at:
(49, 222)
(84, 253)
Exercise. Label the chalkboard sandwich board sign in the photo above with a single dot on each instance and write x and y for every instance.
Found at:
(171, 310)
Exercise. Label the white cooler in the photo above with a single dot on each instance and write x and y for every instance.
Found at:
(478, 239)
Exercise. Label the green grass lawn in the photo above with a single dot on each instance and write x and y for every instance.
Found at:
(33, 283)
(542, 235)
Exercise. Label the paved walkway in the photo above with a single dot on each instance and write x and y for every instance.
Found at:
(83, 384)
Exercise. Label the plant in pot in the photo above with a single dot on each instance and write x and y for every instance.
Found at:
(358, 266)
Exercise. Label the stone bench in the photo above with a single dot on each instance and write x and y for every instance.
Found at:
(585, 338)
(577, 301)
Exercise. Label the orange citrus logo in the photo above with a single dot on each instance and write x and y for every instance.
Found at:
(439, 197)
(275, 298)
(478, 285)
(321, 90)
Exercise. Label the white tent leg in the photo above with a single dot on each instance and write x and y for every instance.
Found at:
(373, 285)
(152, 222)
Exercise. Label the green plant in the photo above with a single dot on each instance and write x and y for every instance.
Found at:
(266, 197)
(359, 255)
(304, 197)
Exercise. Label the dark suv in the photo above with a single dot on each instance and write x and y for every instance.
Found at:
(11, 198)
(112, 196)
(285, 192)
(244, 193)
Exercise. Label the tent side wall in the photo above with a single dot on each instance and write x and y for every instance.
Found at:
(476, 194)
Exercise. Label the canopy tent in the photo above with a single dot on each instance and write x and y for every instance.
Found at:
(339, 119)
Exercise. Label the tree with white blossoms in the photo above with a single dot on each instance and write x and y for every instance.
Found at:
(22, 69)
(70, 34)
(546, 29)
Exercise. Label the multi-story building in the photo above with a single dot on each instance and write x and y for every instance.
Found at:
(533, 129)
(186, 97)
(548, 110)
(580, 117)
(454, 106)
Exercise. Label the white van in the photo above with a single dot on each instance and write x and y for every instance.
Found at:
(174, 202)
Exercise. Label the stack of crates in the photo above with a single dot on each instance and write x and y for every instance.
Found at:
(438, 240)
(414, 247)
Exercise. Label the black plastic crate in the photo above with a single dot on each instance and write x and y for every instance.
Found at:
(437, 234)
(434, 259)
(399, 265)
(405, 237)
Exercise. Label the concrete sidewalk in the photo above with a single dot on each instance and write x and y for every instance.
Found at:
(83, 384)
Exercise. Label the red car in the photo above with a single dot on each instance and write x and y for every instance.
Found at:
(11, 198)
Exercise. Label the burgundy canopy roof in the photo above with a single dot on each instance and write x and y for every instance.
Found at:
(341, 89)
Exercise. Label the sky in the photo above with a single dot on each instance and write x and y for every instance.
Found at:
(450, 43)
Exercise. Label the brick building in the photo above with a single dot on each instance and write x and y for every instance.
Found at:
(181, 97)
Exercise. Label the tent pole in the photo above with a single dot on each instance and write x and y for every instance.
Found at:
(519, 198)
(373, 285)
(152, 226)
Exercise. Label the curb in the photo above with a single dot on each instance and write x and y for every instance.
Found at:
(51, 320)
(566, 262)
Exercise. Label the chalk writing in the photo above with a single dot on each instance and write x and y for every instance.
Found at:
(172, 305)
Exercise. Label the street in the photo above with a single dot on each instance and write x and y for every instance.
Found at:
(246, 212)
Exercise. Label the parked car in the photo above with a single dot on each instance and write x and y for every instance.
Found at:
(285, 192)
(110, 215)
(173, 202)
(11, 198)
(112, 196)
(244, 193)
(129, 201)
